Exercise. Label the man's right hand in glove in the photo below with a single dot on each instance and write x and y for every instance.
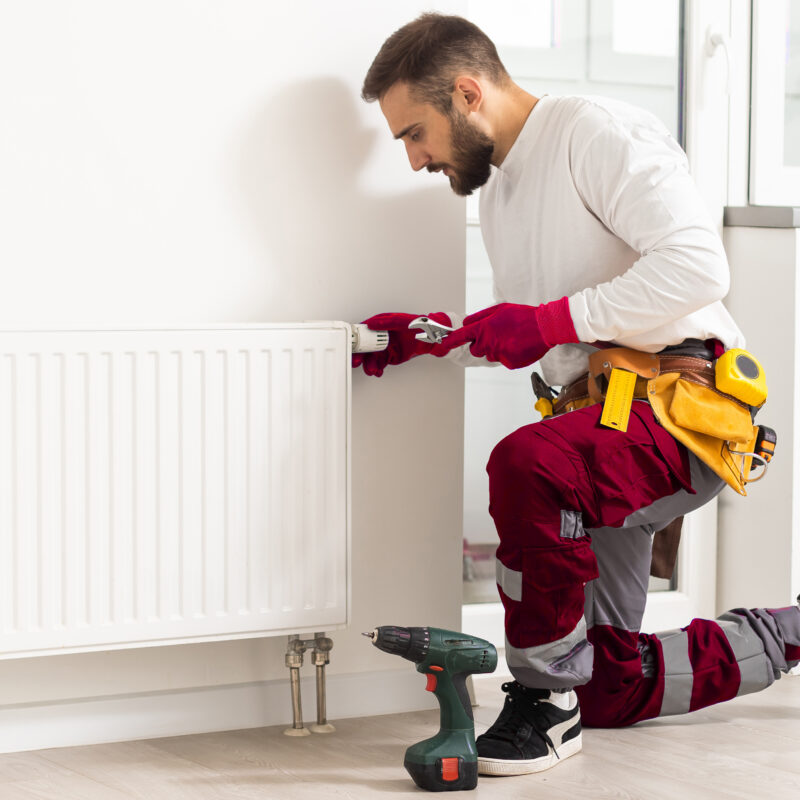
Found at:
(403, 344)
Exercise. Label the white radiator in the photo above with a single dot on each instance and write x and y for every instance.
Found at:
(166, 486)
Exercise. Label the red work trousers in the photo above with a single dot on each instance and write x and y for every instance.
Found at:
(575, 505)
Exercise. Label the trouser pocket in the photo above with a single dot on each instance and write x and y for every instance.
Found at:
(553, 580)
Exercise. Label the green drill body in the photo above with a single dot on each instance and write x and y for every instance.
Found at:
(447, 761)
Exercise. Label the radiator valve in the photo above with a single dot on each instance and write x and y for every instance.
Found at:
(368, 341)
(321, 653)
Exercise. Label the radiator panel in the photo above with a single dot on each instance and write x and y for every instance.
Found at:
(159, 486)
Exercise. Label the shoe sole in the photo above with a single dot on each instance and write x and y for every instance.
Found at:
(500, 766)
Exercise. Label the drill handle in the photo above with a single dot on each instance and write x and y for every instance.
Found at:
(460, 685)
(455, 706)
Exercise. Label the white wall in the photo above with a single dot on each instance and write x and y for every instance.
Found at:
(169, 161)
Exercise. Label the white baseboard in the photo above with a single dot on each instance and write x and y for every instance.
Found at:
(203, 710)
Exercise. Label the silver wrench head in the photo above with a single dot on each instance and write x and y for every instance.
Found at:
(432, 332)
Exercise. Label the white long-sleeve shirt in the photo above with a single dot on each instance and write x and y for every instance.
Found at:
(594, 201)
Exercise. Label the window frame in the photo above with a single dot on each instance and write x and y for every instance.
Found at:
(772, 182)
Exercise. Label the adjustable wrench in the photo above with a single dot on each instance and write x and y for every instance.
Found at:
(432, 332)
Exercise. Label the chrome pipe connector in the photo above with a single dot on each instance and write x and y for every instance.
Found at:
(320, 647)
(294, 660)
(321, 656)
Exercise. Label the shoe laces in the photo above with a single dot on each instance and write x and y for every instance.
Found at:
(522, 702)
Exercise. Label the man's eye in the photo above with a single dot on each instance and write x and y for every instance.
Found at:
(415, 136)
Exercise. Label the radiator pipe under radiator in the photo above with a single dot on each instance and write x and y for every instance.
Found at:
(322, 646)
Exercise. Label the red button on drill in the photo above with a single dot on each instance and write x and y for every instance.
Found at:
(431, 687)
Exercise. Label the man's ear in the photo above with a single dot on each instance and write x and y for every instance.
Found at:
(467, 94)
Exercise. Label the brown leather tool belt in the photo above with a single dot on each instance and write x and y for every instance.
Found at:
(698, 370)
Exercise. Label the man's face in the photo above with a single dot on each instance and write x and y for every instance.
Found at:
(446, 143)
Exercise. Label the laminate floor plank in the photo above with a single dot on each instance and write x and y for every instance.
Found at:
(16, 767)
(139, 769)
(746, 748)
(66, 787)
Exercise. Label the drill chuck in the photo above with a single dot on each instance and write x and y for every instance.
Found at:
(410, 643)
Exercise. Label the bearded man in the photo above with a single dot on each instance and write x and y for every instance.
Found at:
(596, 234)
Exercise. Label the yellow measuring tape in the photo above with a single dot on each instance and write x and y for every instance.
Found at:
(619, 397)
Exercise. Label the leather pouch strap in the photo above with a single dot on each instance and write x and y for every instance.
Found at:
(577, 390)
(645, 365)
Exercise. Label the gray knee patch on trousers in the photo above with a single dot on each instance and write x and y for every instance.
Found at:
(562, 664)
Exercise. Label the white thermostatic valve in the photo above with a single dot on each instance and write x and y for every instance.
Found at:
(368, 341)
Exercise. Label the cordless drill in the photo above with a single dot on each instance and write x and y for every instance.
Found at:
(449, 760)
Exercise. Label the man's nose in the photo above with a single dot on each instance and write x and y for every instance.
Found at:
(417, 157)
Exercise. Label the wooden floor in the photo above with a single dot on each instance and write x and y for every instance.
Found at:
(747, 748)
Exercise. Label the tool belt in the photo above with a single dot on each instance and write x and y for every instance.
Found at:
(682, 389)
(682, 392)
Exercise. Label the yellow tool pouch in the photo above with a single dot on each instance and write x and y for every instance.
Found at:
(702, 409)
(681, 390)
(690, 412)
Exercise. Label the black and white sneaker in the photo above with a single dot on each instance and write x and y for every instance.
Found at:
(536, 729)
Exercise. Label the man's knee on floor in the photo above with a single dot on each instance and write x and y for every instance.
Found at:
(624, 688)
(605, 709)
(617, 705)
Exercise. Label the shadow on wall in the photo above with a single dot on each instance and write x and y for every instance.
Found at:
(335, 251)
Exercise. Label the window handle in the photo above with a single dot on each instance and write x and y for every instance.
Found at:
(714, 41)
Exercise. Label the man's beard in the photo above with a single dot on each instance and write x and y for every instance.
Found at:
(472, 155)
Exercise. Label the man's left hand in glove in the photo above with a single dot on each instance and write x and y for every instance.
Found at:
(515, 335)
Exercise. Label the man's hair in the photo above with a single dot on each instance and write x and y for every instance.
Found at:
(429, 54)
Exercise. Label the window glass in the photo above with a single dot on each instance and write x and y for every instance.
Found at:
(775, 104)
(645, 27)
(523, 23)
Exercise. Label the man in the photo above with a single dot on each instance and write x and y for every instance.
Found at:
(596, 234)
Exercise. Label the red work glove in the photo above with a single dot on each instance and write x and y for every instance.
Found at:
(403, 344)
(515, 335)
